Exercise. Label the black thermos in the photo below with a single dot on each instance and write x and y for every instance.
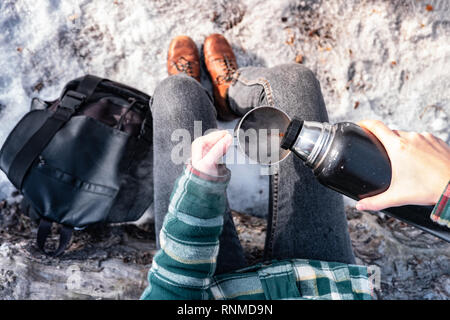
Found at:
(343, 156)
(353, 162)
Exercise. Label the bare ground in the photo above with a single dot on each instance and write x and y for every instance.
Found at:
(111, 262)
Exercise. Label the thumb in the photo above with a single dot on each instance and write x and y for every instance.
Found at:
(375, 203)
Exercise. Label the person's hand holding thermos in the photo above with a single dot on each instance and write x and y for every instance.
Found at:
(380, 167)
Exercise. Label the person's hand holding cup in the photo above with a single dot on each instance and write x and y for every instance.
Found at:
(208, 150)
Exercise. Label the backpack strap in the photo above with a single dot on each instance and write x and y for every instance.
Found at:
(88, 85)
(44, 230)
(69, 104)
(147, 126)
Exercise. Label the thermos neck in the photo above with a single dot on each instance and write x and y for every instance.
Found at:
(312, 142)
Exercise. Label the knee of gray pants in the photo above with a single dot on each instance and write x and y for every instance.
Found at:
(291, 87)
(294, 72)
(304, 94)
(180, 94)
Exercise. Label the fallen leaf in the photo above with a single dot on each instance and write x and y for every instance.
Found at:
(214, 16)
(299, 58)
(73, 17)
(314, 32)
(394, 63)
(19, 49)
(356, 105)
(429, 7)
(38, 87)
(321, 49)
(290, 41)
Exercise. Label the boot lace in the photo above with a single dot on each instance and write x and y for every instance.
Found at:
(185, 66)
(229, 67)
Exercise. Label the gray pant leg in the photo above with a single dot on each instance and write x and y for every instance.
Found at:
(306, 220)
(178, 101)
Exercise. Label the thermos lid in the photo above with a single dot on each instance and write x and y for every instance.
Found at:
(291, 134)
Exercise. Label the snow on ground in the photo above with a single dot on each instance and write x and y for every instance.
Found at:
(375, 59)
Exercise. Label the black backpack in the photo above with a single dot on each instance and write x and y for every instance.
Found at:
(84, 158)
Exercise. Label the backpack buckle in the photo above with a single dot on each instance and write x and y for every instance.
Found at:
(72, 100)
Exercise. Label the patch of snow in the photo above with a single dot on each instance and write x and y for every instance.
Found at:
(375, 59)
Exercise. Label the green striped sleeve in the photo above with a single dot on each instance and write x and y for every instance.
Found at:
(441, 212)
(189, 239)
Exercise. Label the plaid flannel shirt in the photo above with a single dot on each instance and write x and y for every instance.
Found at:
(184, 267)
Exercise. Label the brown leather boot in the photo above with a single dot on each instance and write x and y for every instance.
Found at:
(221, 64)
(183, 57)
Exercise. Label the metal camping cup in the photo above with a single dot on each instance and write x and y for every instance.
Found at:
(259, 134)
